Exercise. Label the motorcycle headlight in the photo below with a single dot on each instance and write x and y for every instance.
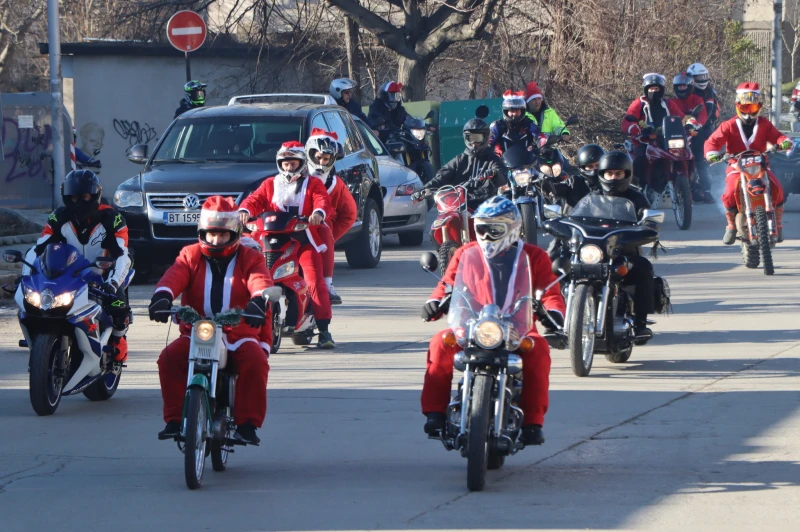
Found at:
(204, 330)
(488, 334)
(419, 133)
(33, 297)
(522, 177)
(591, 254)
(284, 270)
(676, 144)
(128, 198)
(556, 170)
(546, 170)
(64, 300)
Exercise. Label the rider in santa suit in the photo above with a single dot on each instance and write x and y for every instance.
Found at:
(322, 149)
(293, 191)
(497, 227)
(747, 131)
(215, 275)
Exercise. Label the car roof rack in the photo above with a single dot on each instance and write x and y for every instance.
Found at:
(320, 99)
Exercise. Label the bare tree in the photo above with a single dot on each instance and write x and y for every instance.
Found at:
(17, 21)
(791, 39)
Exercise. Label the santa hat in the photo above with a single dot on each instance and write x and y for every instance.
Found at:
(393, 86)
(219, 213)
(291, 150)
(317, 133)
(532, 91)
(748, 86)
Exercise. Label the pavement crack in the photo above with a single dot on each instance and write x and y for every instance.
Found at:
(20, 475)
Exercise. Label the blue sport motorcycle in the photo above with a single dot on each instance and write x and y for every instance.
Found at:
(65, 327)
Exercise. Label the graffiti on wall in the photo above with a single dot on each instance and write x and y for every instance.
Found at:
(133, 132)
(25, 151)
(92, 135)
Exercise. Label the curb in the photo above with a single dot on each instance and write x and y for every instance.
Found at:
(19, 239)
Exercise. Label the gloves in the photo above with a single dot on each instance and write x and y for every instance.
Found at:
(649, 130)
(714, 158)
(255, 314)
(160, 302)
(556, 317)
(430, 310)
(786, 145)
(110, 288)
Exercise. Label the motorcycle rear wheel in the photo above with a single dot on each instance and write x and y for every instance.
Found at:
(581, 330)
(43, 386)
(194, 452)
(751, 257)
(683, 202)
(620, 356)
(529, 230)
(762, 230)
(478, 436)
(303, 338)
(103, 388)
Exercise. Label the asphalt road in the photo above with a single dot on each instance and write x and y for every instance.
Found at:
(699, 431)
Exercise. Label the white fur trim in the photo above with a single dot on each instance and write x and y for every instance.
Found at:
(247, 211)
(432, 300)
(747, 141)
(227, 283)
(165, 289)
(207, 290)
(533, 97)
(321, 211)
(632, 126)
(265, 346)
(238, 343)
(334, 178)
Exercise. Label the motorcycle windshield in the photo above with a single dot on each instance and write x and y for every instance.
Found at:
(518, 156)
(57, 258)
(498, 287)
(605, 208)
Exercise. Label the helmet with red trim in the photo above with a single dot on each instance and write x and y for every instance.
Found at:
(322, 142)
(390, 94)
(291, 151)
(513, 101)
(219, 215)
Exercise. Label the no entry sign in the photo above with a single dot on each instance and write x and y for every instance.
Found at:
(186, 31)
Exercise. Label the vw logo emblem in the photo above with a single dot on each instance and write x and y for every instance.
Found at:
(191, 202)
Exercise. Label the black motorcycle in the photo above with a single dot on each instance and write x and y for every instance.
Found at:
(524, 188)
(599, 315)
(409, 145)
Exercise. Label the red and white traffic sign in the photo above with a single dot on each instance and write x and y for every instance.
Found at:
(186, 31)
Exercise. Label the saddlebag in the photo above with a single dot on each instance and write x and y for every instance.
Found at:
(662, 296)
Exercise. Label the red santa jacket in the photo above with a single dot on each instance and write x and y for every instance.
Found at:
(343, 211)
(687, 105)
(312, 197)
(640, 108)
(246, 277)
(541, 273)
(730, 135)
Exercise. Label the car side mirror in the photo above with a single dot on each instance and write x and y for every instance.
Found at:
(482, 111)
(12, 256)
(652, 216)
(273, 293)
(428, 262)
(104, 263)
(552, 211)
(572, 120)
(138, 154)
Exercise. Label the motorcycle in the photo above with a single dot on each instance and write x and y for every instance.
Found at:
(599, 316)
(65, 327)
(484, 420)
(281, 234)
(524, 188)
(208, 408)
(756, 225)
(410, 147)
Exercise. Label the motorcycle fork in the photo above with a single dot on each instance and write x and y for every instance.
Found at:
(748, 208)
(500, 405)
(601, 309)
(466, 402)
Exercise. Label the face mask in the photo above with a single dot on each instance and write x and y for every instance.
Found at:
(81, 208)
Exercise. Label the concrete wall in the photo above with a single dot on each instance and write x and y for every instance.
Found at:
(120, 101)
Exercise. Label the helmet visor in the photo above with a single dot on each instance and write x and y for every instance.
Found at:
(748, 108)
(216, 220)
(701, 78)
(197, 95)
(393, 97)
(474, 136)
(79, 187)
(490, 231)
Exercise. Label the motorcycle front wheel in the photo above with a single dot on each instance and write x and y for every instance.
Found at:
(45, 384)
(581, 330)
(529, 232)
(762, 230)
(682, 202)
(478, 437)
(194, 452)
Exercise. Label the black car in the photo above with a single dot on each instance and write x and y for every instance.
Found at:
(229, 150)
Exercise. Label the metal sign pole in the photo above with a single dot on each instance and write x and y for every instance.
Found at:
(54, 48)
(188, 67)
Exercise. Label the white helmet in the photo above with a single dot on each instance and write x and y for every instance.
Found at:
(700, 74)
(339, 85)
(291, 150)
(323, 142)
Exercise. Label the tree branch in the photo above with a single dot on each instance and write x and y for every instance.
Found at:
(387, 34)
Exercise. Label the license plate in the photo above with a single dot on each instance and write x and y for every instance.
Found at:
(181, 218)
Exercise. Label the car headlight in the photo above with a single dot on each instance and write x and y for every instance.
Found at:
(546, 170)
(591, 254)
(284, 270)
(204, 330)
(676, 144)
(556, 170)
(488, 334)
(522, 177)
(128, 198)
(33, 297)
(419, 133)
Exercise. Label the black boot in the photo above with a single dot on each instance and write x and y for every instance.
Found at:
(532, 435)
(171, 431)
(246, 433)
(642, 332)
(434, 424)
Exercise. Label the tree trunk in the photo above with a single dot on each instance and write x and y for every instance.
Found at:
(353, 55)
(413, 74)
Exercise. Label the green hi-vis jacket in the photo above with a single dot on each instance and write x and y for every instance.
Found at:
(550, 121)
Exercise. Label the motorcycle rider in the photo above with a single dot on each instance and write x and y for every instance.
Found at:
(476, 160)
(542, 114)
(342, 91)
(386, 112)
(97, 231)
(687, 100)
(747, 131)
(702, 87)
(214, 275)
(795, 110)
(497, 226)
(293, 191)
(514, 122)
(194, 97)
(588, 159)
(322, 148)
(615, 173)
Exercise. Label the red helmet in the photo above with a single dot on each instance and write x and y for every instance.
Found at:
(219, 215)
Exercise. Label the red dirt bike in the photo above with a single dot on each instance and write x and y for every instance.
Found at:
(756, 224)
(281, 234)
(451, 202)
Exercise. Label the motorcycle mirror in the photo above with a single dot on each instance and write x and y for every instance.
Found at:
(103, 263)
(12, 256)
(482, 111)
(552, 211)
(138, 153)
(339, 153)
(652, 216)
(430, 114)
(574, 119)
(273, 293)
(428, 262)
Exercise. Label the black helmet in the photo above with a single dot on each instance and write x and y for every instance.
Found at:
(590, 154)
(514, 100)
(476, 136)
(683, 79)
(390, 94)
(615, 160)
(653, 80)
(77, 184)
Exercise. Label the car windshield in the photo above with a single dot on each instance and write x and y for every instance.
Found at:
(228, 139)
(605, 207)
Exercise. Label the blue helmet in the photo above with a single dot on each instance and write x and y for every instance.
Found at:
(497, 225)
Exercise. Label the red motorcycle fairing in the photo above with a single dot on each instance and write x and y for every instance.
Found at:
(445, 219)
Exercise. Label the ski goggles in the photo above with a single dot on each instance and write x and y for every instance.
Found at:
(748, 108)
(474, 136)
(490, 231)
